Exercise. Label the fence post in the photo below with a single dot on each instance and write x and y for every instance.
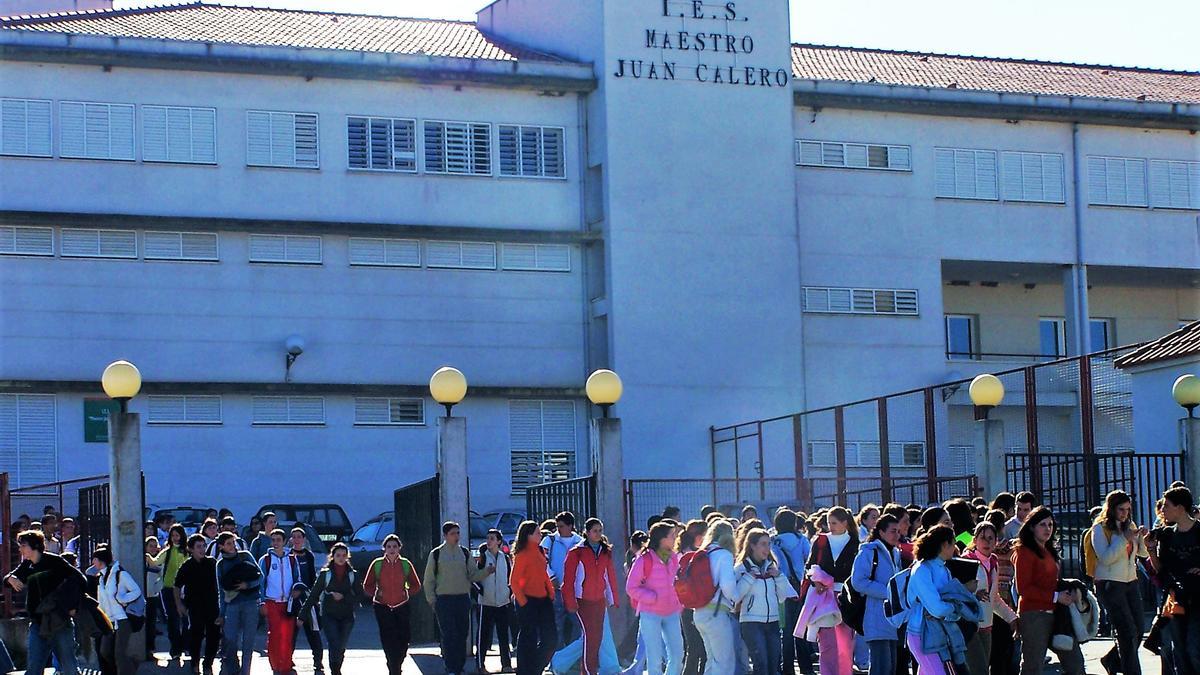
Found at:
(885, 452)
(762, 467)
(6, 550)
(931, 447)
(1033, 467)
(1091, 480)
(803, 494)
(839, 435)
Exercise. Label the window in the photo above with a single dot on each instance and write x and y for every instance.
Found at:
(1052, 333)
(288, 410)
(282, 139)
(1174, 184)
(180, 246)
(1116, 181)
(382, 143)
(531, 151)
(901, 454)
(25, 127)
(28, 438)
(285, 248)
(462, 148)
(541, 442)
(389, 411)
(853, 155)
(965, 174)
(95, 130)
(860, 301)
(961, 340)
(536, 257)
(1033, 177)
(179, 134)
(385, 252)
(184, 410)
(98, 243)
(26, 240)
(470, 255)
(1101, 334)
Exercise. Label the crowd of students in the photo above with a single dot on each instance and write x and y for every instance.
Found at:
(963, 587)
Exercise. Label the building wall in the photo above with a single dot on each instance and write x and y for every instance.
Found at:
(1155, 414)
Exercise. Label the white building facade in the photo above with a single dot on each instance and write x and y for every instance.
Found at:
(737, 225)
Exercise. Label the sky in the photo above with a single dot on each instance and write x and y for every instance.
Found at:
(1147, 33)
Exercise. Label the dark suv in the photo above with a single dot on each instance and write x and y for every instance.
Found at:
(329, 520)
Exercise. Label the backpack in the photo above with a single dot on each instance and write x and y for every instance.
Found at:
(437, 554)
(135, 610)
(895, 605)
(694, 582)
(1090, 558)
(854, 604)
(796, 582)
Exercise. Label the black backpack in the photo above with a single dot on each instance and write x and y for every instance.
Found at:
(854, 604)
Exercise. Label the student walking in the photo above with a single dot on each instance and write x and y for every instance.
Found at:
(1119, 544)
(590, 588)
(716, 622)
(1037, 564)
(281, 574)
(56, 579)
(791, 550)
(495, 601)
(261, 543)
(556, 547)
(336, 593)
(533, 592)
(390, 583)
(116, 591)
(197, 602)
(761, 593)
(834, 554)
(153, 594)
(929, 576)
(651, 586)
(168, 561)
(693, 644)
(877, 561)
(1179, 554)
(238, 580)
(448, 578)
(308, 621)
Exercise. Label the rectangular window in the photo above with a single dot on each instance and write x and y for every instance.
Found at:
(180, 246)
(1052, 333)
(536, 257)
(961, 338)
(853, 155)
(1174, 184)
(382, 143)
(389, 411)
(965, 174)
(288, 410)
(467, 255)
(25, 127)
(462, 148)
(1102, 334)
(1033, 177)
(28, 439)
(98, 243)
(385, 252)
(285, 248)
(95, 130)
(529, 151)
(541, 442)
(883, 301)
(26, 240)
(179, 134)
(282, 139)
(1116, 181)
(184, 409)
(901, 454)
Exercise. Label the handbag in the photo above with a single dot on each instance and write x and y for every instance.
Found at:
(854, 604)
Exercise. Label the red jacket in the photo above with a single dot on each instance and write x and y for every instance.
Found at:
(589, 576)
(1037, 580)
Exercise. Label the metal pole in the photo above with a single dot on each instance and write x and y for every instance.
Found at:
(931, 448)
(762, 480)
(803, 494)
(839, 435)
(1033, 477)
(125, 501)
(885, 451)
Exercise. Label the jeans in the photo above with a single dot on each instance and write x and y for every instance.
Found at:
(337, 633)
(202, 631)
(152, 605)
(1185, 643)
(114, 651)
(6, 663)
(174, 622)
(1004, 645)
(719, 631)
(652, 626)
(564, 624)
(453, 618)
(493, 620)
(979, 652)
(883, 657)
(313, 637)
(238, 632)
(794, 650)
(1123, 602)
(536, 641)
(395, 634)
(61, 644)
(1036, 630)
(693, 645)
(762, 641)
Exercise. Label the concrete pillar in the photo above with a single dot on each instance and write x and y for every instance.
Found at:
(125, 504)
(989, 456)
(1189, 440)
(609, 469)
(452, 471)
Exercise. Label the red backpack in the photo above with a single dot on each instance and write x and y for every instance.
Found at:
(694, 581)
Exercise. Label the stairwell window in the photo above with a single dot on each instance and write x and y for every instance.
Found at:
(25, 127)
(389, 411)
(288, 410)
(179, 134)
(95, 130)
(382, 143)
(844, 155)
(282, 139)
(459, 148)
(541, 442)
(881, 301)
(961, 173)
(531, 151)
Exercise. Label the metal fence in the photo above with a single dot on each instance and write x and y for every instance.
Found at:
(577, 495)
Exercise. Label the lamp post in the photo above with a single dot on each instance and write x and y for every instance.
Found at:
(987, 392)
(1186, 392)
(448, 386)
(604, 389)
(121, 382)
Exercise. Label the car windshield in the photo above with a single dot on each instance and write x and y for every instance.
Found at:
(320, 516)
(368, 532)
(479, 527)
(185, 515)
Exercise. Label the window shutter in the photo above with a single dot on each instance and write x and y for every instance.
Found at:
(478, 255)
(531, 151)
(944, 180)
(303, 249)
(382, 144)
(167, 409)
(809, 152)
(887, 301)
(258, 138)
(180, 245)
(1117, 181)
(389, 411)
(28, 438)
(200, 246)
(965, 174)
(385, 252)
(25, 127)
(853, 155)
(509, 151)
(26, 240)
(78, 243)
(816, 299)
(406, 411)
(371, 411)
(203, 409)
(462, 255)
(519, 256)
(270, 410)
(822, 453)
(1033, 177)
(267, 248)
(282, 139)
(536, 257)
(280, 248)
(458, 148)
(542, 442)
(178, 134)
(1175, 184)
(96, 130)
(288, 410)
(840, 300)
(856, 155)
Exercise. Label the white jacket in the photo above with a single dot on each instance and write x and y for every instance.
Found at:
(116, 589)
(494, 590)
(1116, 560)
(760, 598)
(720, 563)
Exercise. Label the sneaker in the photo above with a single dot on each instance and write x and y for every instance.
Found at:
(1111, 663)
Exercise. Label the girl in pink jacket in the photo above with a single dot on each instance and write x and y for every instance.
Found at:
(651, 589)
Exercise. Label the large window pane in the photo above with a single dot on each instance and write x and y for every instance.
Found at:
(1052, 332)
(1101, 334)
(960, 337)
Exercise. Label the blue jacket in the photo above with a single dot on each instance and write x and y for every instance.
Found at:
(875, 625)
(938, 601)
(924, 593)
(797, 548)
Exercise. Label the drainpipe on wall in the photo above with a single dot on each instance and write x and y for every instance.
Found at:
(1075, 283)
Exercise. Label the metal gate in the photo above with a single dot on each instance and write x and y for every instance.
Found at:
(418, 524)
(94, 519)
(577, 495)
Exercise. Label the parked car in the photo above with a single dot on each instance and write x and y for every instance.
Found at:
(320, 549)
(190, 516)
(505, 521)
(329, 520)
(366, 544)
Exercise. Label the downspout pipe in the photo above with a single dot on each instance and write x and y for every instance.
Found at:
(1078, 277)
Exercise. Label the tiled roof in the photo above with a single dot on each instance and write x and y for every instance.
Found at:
(208, 22)
(1181, 343)
(851, 64)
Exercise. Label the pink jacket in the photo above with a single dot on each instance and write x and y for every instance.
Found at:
(820, 607)
(651, 584)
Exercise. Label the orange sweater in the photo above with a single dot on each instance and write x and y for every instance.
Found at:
(529, 578)
(1037, 580)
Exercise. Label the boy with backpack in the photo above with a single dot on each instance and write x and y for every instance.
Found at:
(448, 578)
(495, 601)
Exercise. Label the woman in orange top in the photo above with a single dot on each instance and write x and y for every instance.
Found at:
(534, 593)
(1037, 575)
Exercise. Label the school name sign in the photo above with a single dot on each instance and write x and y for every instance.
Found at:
(717, 34)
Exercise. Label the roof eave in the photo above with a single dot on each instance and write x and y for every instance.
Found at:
(51, 47)
(996, 105)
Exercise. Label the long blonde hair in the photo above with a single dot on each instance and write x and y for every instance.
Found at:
(719, 533)
(752, 537)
